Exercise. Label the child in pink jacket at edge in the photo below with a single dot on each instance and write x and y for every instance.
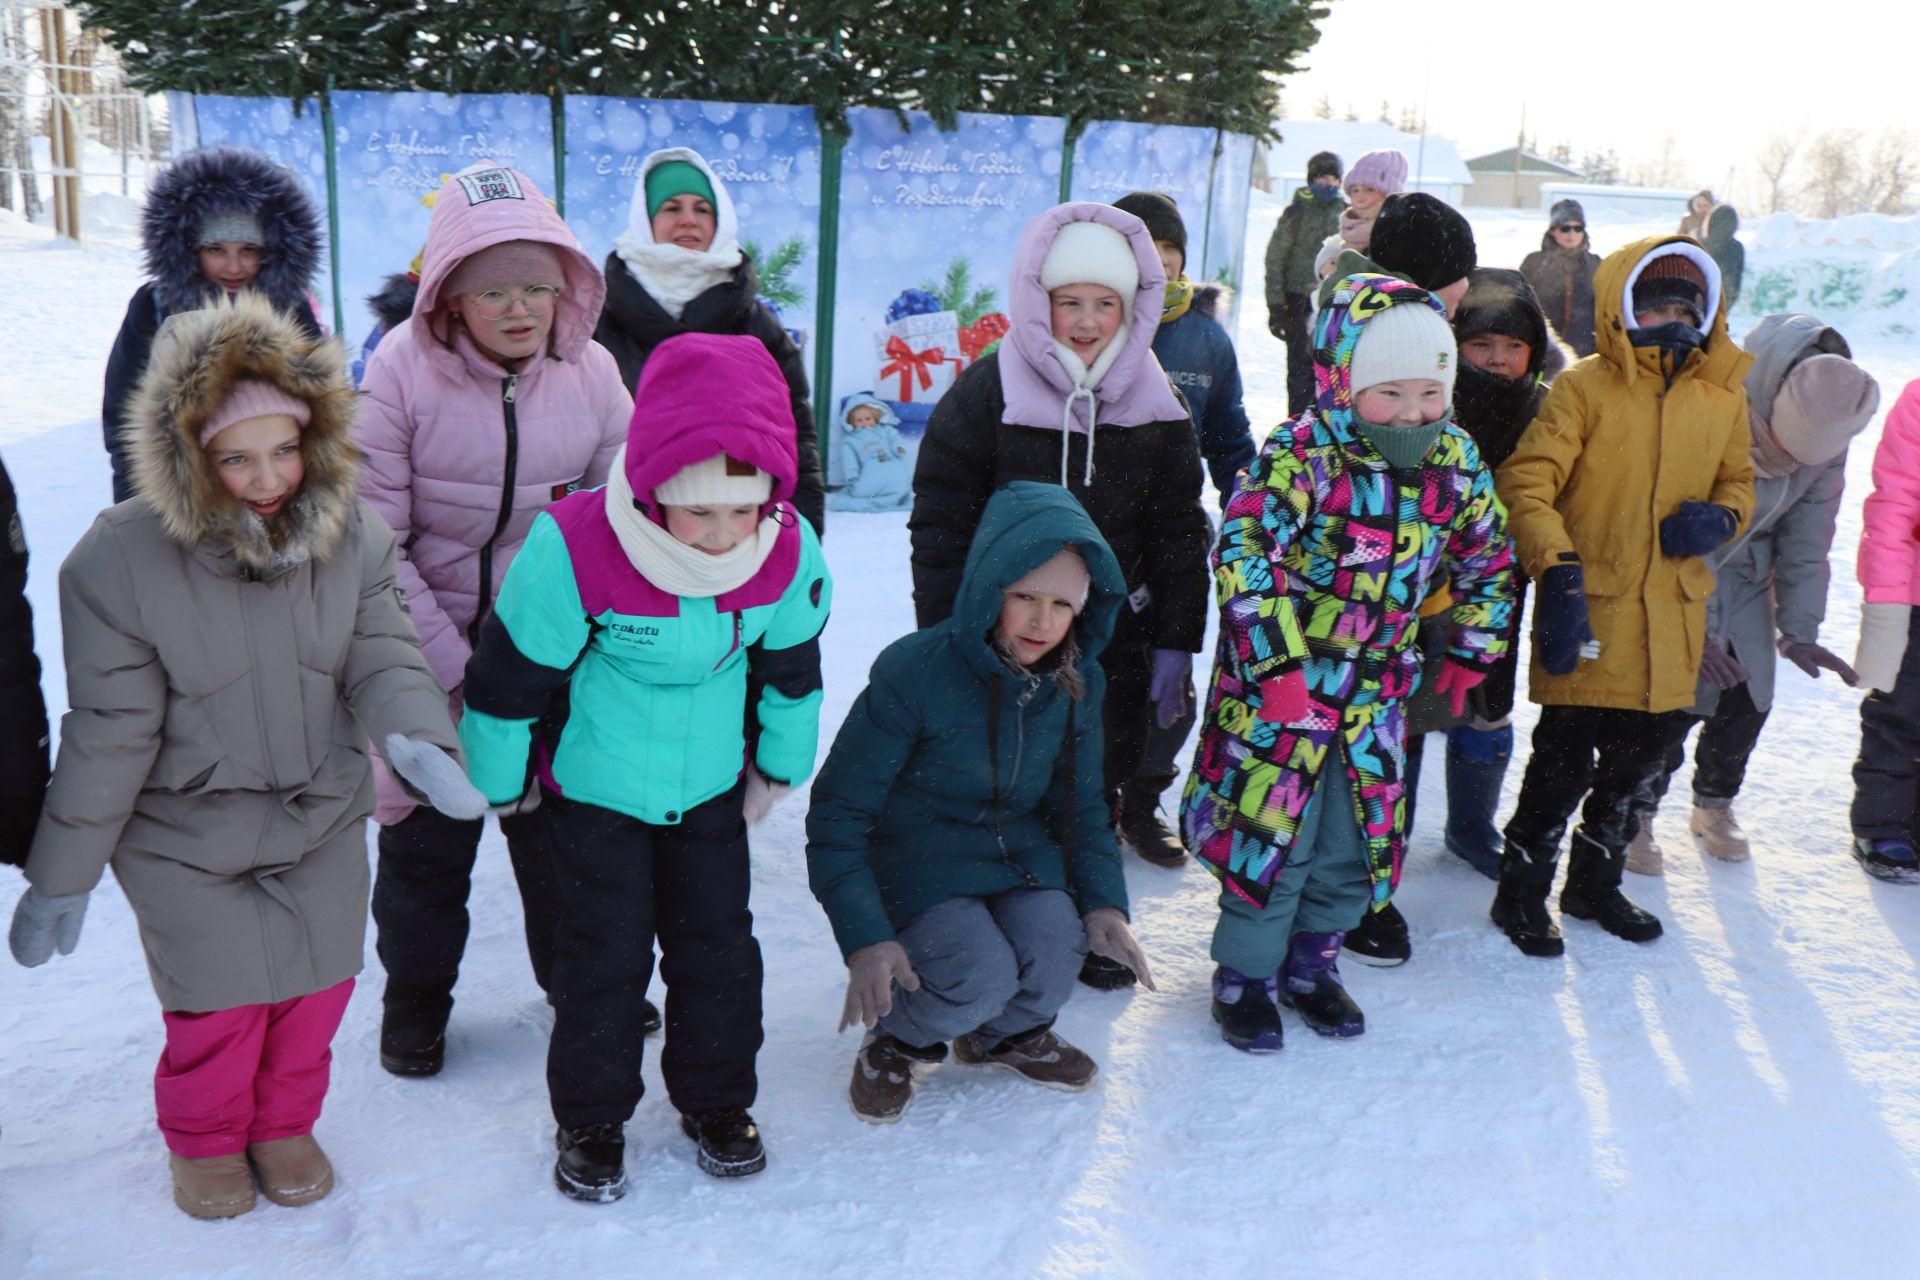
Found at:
(491, 403)
(1886, 777)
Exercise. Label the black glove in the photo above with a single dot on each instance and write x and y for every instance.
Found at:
(1695, 529)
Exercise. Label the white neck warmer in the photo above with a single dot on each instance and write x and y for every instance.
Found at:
(671, 564)
(676, 276)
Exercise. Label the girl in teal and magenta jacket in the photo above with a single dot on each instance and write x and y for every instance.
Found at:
(648, 683)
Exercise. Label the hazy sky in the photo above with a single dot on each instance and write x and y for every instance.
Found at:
(1616, 73)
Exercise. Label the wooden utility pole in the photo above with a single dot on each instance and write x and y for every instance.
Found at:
(1519, 148)
(66, 84)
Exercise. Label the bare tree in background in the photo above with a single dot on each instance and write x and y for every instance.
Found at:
(1774, 160)
(16, 129)
(1830, 174)
(1889, 174)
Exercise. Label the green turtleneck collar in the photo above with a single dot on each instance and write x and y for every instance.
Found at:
(1402, 447)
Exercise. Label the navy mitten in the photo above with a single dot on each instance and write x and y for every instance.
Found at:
(1560, 618)
(1695, 529)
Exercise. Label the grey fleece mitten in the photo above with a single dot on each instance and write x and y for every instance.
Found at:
(42, 921)
(436, 775)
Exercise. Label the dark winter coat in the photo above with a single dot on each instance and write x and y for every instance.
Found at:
(1563, 281)
(954, 775)
(1199, 359)
(633, 323)
(223, 677)
(200, 183)
(23, 712)
(1304, 226)
(1144, 499)
(1728, 253)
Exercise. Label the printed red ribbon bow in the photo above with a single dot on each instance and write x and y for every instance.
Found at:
(905, 362)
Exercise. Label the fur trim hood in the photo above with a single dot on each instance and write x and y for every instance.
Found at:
(218, 180)
(392, 302)
(197, 357)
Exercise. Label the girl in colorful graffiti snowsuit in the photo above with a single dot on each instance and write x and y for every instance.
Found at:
(652, 670)
(233, 637)
(491, 402)
(1339, 531)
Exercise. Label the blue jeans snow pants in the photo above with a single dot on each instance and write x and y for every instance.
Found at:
(1325, 887)
(1001, 966)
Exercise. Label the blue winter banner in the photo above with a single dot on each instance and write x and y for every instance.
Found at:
(272, 126)
(1227, 224)
(1113, 157)
(768, 157)
(929, 222)
(393, 149)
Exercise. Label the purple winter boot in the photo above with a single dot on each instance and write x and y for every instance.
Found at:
(1310, 984)
(1244, 1009)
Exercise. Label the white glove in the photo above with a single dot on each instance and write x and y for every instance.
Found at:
(1108, 935)
(762, 794)
(436, 775)
(1883, 643)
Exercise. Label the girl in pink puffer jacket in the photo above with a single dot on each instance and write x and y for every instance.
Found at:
(1886, 777)
(490, 403)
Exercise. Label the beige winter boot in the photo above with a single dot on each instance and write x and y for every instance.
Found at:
(293, 1170)
(1719, 833)
(212, 1186)
(1643, 855)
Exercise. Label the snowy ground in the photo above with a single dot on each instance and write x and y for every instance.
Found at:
(1736, 1099)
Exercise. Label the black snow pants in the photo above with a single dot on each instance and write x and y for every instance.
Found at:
(1609, 756)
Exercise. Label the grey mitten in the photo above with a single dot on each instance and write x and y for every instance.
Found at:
(871, 973)
(44, 921)
(762, 794)
(1109, 936)
(436, 775)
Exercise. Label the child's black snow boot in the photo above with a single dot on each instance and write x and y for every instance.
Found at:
(1520, 903)
(1381, 939)
(1592, 891)
(413, 1029)
(728, 1139)
(1891, 860)
(592, 1162)
(1310, 984)
(1244, 1008)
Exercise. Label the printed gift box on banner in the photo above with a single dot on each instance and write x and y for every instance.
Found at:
(918, 353)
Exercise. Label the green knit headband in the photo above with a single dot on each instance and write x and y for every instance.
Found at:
(675, 178)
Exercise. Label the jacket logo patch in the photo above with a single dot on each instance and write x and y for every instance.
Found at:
(560, 491)
(634, 632)
(491, 184)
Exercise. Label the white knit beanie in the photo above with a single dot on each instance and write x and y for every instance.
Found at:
(1092, 253)
(1407, 340)
(718, 481)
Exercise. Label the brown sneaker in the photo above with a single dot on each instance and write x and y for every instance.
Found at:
(882, 1087)
(1719, 833)
(1039, 1055)
(212, 1186)
(292, 1170)
(1644, 857)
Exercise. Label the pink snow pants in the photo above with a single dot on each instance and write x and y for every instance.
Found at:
(233, 1077)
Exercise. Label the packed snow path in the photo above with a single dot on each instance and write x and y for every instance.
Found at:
(1738, 1098)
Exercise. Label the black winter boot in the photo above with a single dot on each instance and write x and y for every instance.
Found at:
(1102, 974)
(1380, 939)
(413, 1029)
(1520, 903)
(729, 1141)
(1143, 830)
(1592, 891)
(592, 1162)
(1243, 1006)
(649, 1018)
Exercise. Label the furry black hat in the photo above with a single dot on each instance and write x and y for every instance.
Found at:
(1565, 211)
(1324, 164)
(1424, 239)
(1160, 213)
(227, 180)
(1501, 301)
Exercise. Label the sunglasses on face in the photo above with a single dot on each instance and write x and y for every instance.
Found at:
(1579, 228)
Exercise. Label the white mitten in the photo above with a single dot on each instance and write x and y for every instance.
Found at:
(1883, 643)
(436, 775)
(762, 794)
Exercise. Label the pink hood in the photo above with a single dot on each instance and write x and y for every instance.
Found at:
(707, 393)
(1135, 390)
(482, 208)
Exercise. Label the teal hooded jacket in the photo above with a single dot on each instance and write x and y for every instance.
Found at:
(954, 775)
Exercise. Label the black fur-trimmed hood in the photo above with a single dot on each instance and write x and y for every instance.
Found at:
(222, 179)
(197, 358)
(392, 303)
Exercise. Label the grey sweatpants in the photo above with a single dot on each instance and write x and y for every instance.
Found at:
(1000, 966)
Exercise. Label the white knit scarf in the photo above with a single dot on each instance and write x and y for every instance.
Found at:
(671, 564)
(676, 276)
